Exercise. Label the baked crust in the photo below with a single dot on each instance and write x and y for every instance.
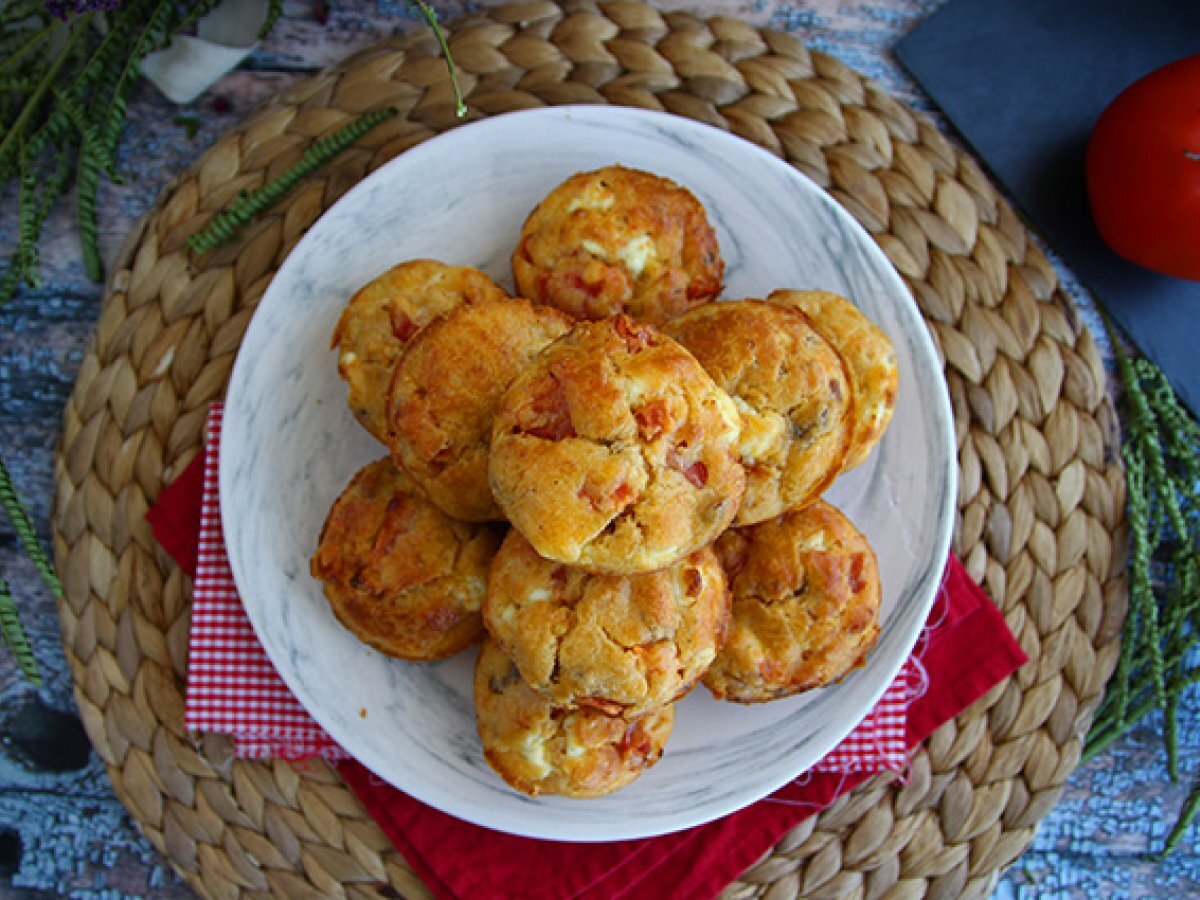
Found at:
(619, 240)
(615, 451)
(384, 315)
(791, 390)
(805, 605)
(617, 643)
(870, 362)
(444, 392)
(539, 749)
(398, 572)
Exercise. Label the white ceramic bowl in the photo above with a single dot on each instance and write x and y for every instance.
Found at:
(290, 445)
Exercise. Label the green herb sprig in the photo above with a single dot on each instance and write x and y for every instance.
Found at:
(224, 227)
(64, 92)
(65, 79)
(63, 98)
(1156, 665)
(10, 623)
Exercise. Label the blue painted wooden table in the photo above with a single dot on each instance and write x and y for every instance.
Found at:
(63, 833)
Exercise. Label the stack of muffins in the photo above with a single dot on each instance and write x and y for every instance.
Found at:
(612, 480)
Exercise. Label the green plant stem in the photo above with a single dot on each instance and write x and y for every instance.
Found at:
(224, 227)
(10, 140)
(26, 47)
(18, 515)
(1191, 808)
(15, 638)
(1100, 738)
(431, 19)
(10, 623)
(1162, 459)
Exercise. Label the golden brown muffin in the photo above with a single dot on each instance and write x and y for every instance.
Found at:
(615, 451)
(398, 572)
(791, 390)
(805, 605)
(618, 643)
(539, 749)
(444, 393)
(870, 362)
(619, 240)
(381, 318)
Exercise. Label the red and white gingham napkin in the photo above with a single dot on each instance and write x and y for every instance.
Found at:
(234, 689)
(232, 686)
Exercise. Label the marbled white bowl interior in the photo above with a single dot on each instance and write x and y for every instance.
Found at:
(290, 445)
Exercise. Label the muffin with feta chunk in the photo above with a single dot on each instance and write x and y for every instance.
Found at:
(619, 240)
(617, 643)
(540, 749)
(792, 391)
(384, 315)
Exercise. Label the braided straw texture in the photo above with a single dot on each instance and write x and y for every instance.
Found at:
(1041, 497)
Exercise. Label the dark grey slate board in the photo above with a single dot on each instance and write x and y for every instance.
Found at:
(1024, 81)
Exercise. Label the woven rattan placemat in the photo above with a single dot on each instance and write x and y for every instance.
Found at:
(1040, 497)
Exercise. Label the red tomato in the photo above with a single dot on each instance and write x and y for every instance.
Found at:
(1143, 170)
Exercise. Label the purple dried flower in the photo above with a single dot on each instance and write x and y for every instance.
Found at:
(64, 9)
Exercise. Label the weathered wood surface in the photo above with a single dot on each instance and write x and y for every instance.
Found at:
(62, 832)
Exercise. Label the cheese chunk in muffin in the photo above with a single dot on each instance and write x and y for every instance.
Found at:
(615, 451)
(399, 573)
(539, 749)
(870, 362)
(619, 240)
(806, 599)
(384, 315)
(617, 643)
(793, 394)
(444, 393)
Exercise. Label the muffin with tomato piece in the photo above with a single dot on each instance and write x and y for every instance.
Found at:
(384, 315)
(617, 643)
(806, 599)
(444, 392)
(615, 451)
(540, 749)
(619, 240)
(400, 574)
(791, 390)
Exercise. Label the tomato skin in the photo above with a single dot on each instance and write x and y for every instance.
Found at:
(1143, 170)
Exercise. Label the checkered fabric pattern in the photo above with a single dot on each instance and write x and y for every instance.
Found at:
(233, 688)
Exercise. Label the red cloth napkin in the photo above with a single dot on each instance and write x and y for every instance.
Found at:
(966, 649)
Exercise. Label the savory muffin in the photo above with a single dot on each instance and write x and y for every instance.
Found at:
(615, 451)
(617, 643)
(619, 240)
(398, 572)
(444, 392)
(870, 362)
(805, 605)
(791, 390)
(539, 749)
(381, 318)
